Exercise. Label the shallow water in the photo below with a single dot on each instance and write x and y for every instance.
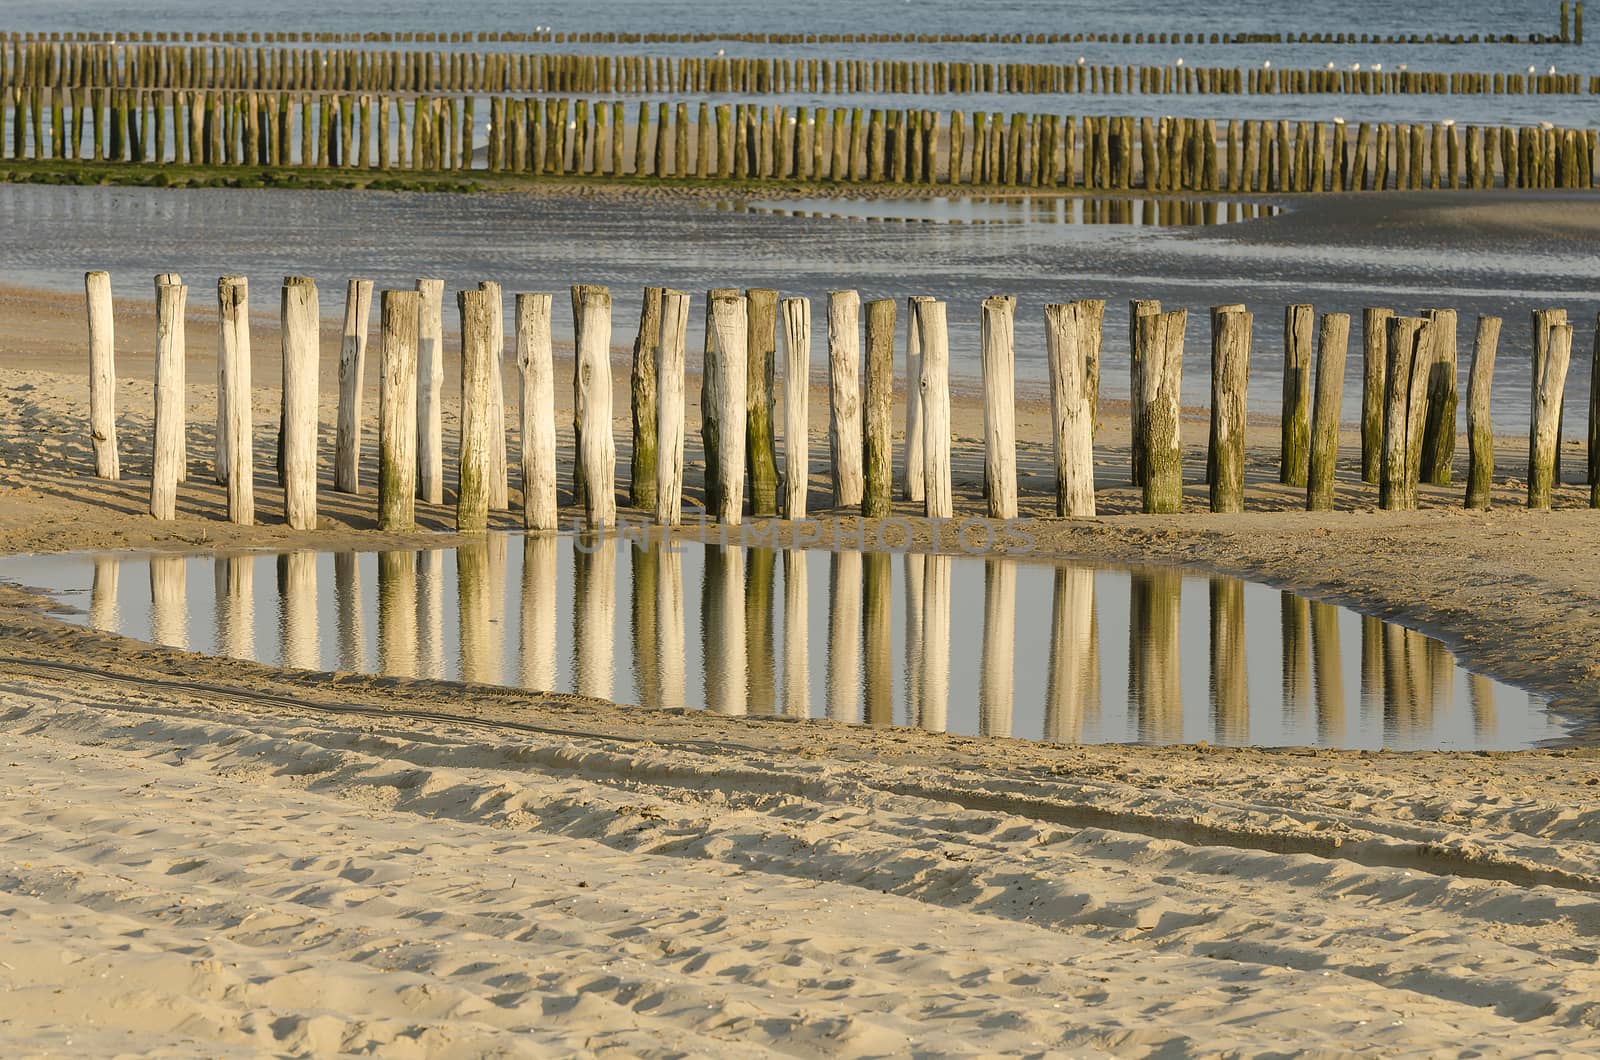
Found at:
(964, 644)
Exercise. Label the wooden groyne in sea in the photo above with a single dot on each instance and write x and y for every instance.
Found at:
(1408, 415)
(598, 139)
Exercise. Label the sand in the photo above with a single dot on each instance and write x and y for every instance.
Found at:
(212, 857)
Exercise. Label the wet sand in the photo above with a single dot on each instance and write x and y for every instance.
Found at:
(212, 856)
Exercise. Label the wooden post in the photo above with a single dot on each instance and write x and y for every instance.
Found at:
(499, 489)
(912, 490)
(729, 333)
(477, 336)
(1295, 454)
(1231, 327)
(670, 417)
(796, 409)
(1137, 308)
(1480, 427)
(642, 463)
(1594, 394)
(430, 386)
(236, 438)
(1160, 390)
(167, 458)
(302, 321)
(1091, 314)
(352, 373)
(1408, 341)
(1545, 436)
(761, 345)
(878, 480)
(844, 408)
(397, 407)
(102, 375)
(934, 339)
(597, 446)
(1374, 360)
(998, 346)
(1543, 321)
(710, 402)
(536, 365)
(1071, 411)
(1439, 434)
(1333, 338)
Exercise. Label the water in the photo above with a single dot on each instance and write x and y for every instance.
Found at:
(977, 646)
(1311, 253)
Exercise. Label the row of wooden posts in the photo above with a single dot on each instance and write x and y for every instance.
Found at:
(313, 69)
(1408, 414)
(551, 36)
(562, 137)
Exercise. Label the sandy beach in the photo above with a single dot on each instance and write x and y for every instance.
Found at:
(211, 856)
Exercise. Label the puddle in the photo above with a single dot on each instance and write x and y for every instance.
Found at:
(1012, 210)
(962, 644)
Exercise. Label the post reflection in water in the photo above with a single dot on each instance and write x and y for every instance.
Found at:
(977, 656)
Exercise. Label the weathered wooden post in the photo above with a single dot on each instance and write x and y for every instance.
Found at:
(912, 490)
(1408, 344)
(761, 346)
(477, 335)
(710, 401)
(301, 364)
(1296, 425)
(1137, 308)
(730, 332)
(499, 488)
(1160, 390)
(430, 386)
(878, 481)
(397, 408)
(998, 345)
(1333, 338)
(934, 339)
(352, 373)
(1543, 321)
(1545, 437)
(1231, 327)
(597, 446)
(102, 375)
(642, 463)
(1071, 415)
(844, 391)
(236, 429)
(670, 414)
(1439, 434)
(1374, 360)
(167, 458)
(536, 365)
(1480, 427)
(796, 408)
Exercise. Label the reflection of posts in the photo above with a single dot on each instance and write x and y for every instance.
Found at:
(397, 614)
(430, 613)
(351, 612)
(722, 628)
(670, 644)
(103, 595)
(594, 614)
(1154, 686)
(759, 632)
(1372, 681)
(1073, 691)
(1326, 659)
(497, 583)
(915, 565)
(934, 681)
(1296, 614)
(844, 636)
(538, 652)
(297, 596)
(643, 593)
(1485, 714)
(997, 671)
(235, 589)
(1230, 684)
(796, 635)
(169, 603)
(877, 645)
(472, 604)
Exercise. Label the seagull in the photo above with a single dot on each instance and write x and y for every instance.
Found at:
(1355, 66)
(1081, 60)
(1267, 65)
(1376, 67)
(1530, 70)
(1552, 70)
(1180, 63)
(1330, 66)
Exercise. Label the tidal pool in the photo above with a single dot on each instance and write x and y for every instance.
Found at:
(964, 644)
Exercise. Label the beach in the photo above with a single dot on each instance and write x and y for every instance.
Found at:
(213, 856)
